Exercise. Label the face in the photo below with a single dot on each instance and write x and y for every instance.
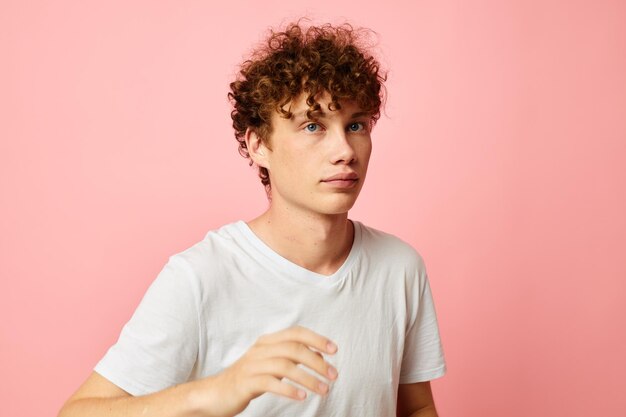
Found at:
(319, 165)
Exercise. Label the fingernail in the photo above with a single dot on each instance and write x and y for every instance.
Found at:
(322, 387)
(332, 372)
(331, 346)
(301, 394)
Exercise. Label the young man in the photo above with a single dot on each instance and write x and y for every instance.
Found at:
(300, 311)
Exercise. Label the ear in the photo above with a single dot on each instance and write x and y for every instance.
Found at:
(257, 149)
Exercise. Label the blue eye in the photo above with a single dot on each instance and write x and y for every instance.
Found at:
(355, 127)
(311, 127)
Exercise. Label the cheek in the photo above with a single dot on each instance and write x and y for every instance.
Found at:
(289, 167)
(365, 151)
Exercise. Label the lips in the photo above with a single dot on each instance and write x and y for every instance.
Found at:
(348, 176)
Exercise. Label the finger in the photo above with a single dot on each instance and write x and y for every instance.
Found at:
(284, 368)
(302, 335)
(267, 383)
(299, 354)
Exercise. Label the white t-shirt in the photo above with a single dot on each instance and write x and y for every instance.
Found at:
(212, 301)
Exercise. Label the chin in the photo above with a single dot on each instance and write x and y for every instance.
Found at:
(338, 207)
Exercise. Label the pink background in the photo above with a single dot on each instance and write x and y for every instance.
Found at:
(501, 158)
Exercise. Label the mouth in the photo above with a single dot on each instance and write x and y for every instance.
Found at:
(341, 183)
(350, 176)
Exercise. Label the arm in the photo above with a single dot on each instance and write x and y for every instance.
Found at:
(416, 400)
(261, 369)
(99, 397)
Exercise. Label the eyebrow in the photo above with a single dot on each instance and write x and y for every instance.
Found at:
(321, 115)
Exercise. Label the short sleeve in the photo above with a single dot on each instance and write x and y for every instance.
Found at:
(423, 358)
(158, 347)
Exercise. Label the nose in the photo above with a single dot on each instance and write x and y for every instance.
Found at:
(342, 150)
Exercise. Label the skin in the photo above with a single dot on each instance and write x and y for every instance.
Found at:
(307, 223)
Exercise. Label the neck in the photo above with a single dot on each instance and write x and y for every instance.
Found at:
(318, 242)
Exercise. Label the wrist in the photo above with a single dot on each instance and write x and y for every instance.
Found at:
(199, 398)
(204, 398)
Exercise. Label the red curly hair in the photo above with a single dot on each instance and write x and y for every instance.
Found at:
(300, 60)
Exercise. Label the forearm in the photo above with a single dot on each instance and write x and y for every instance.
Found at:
(177, 401)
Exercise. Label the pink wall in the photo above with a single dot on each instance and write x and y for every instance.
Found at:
(502, 158)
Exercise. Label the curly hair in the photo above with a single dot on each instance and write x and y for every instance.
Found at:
(300, 60)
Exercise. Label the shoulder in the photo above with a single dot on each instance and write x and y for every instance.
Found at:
(201, 263)
(389, 248)
(217, 244)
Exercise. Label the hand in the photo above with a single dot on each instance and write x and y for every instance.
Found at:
(272, 357)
